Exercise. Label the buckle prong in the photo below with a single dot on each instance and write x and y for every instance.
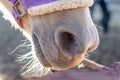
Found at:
(20, 15)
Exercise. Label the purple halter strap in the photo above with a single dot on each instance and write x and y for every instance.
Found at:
(26, 4)
(29, 3)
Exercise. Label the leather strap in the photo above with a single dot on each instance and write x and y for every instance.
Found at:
(16, 13)
(25, 4)
(29, 3)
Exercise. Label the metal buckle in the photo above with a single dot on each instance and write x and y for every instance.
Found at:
(20, 15)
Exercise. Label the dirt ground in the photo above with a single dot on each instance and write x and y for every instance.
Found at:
(107, 52)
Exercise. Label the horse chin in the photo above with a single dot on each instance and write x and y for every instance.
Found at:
(61, 65)
(68, 64)
(58, 63)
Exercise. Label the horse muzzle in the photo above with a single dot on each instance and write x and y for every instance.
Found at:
(61, 39)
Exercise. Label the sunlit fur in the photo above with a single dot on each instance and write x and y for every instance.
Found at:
(33, 67)
(7, 16)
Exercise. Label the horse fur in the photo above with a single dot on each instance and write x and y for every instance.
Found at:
(76, 23)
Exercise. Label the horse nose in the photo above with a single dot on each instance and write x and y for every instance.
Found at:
(77, 40)
(69, 43)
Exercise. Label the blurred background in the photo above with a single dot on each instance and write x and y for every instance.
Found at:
(106, 15)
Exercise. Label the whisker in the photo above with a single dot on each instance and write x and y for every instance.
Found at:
(25, 45)
(30, 65)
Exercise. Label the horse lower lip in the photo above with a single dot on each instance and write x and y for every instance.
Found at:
(39, 52)
(36, 43)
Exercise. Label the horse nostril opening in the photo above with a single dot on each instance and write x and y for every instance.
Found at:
(69, 42)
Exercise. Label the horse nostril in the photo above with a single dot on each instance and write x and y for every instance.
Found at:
(69, 42)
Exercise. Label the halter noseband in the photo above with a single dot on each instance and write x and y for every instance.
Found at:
(40, 7)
